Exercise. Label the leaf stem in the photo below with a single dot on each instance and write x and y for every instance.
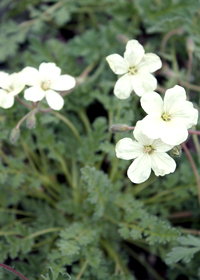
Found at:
(70, 124)
(120, 267)
(82, 270)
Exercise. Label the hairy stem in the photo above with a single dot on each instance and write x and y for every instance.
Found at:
(13, 271)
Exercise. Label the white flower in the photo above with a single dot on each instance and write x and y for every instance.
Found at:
(44, 82)
(11, 86)
(148, 154)
(135, 68)
(170, 119)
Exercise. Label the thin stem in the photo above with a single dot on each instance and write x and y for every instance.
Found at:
(144, 263)
(193, 168)
(70, 124)
(113, 169)
(13, 271)
(44, 231)
(15, 211)
(64, 167)
(194, 132)
(120, 267)
(82, 270)
(47, 12)
(131, 127)
(189, 70)
(170, 73)
(83, 116)
(23, 103)
(23, 119)
(81, 78)
(191, 231)
(140, 187)
(177, 31)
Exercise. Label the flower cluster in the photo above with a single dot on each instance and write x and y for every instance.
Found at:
(167, 122)
(43, 83)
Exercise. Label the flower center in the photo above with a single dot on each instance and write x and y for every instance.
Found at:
(148, 149)
(132, 70)
(166, 117)
(46, 85)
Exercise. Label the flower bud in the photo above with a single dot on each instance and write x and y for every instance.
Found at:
(190, 45)
(118, 128)
(122, 38)
(176, 151)
(14, 136)
(31, 121)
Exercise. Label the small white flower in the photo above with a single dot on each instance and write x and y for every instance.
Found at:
(148, 154)
(170, 119)
(11, 86)
(135, 69)
(44, 82)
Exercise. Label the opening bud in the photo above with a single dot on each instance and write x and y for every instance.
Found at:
(176, 151)
(31, 121)
(190, 45)
(14, 136)
(118, 128)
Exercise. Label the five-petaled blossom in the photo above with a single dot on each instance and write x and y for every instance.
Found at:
(170, 119)
(148, 154)
(11, 86)
(135, 68)
(44, 83)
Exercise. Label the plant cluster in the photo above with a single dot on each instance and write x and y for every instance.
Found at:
(67, 208)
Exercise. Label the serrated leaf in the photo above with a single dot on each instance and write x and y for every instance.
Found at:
(183, 252)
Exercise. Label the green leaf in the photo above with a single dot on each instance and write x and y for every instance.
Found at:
(184, 253)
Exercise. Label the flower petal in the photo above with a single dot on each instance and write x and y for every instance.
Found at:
(15, 83)
(152, 103)
(162, 163)
(150, 63)
(160, 146)
(151, 126)
(54, 100)
(64, 82)
(30, 76)
(117, 63)
(140, 170)
(173, 132)
(123, 87)
(127, 149)
(6, 100)
(140, 136)
(34, 94)
(134, 52)
(4, 83)
(173, 97)
(49, 72)
(143, 82)
(186, 113)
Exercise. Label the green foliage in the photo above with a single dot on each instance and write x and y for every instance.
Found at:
(60, 276)
(190, 246)
(66, 203)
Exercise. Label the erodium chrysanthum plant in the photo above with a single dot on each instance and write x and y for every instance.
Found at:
(73, 212)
